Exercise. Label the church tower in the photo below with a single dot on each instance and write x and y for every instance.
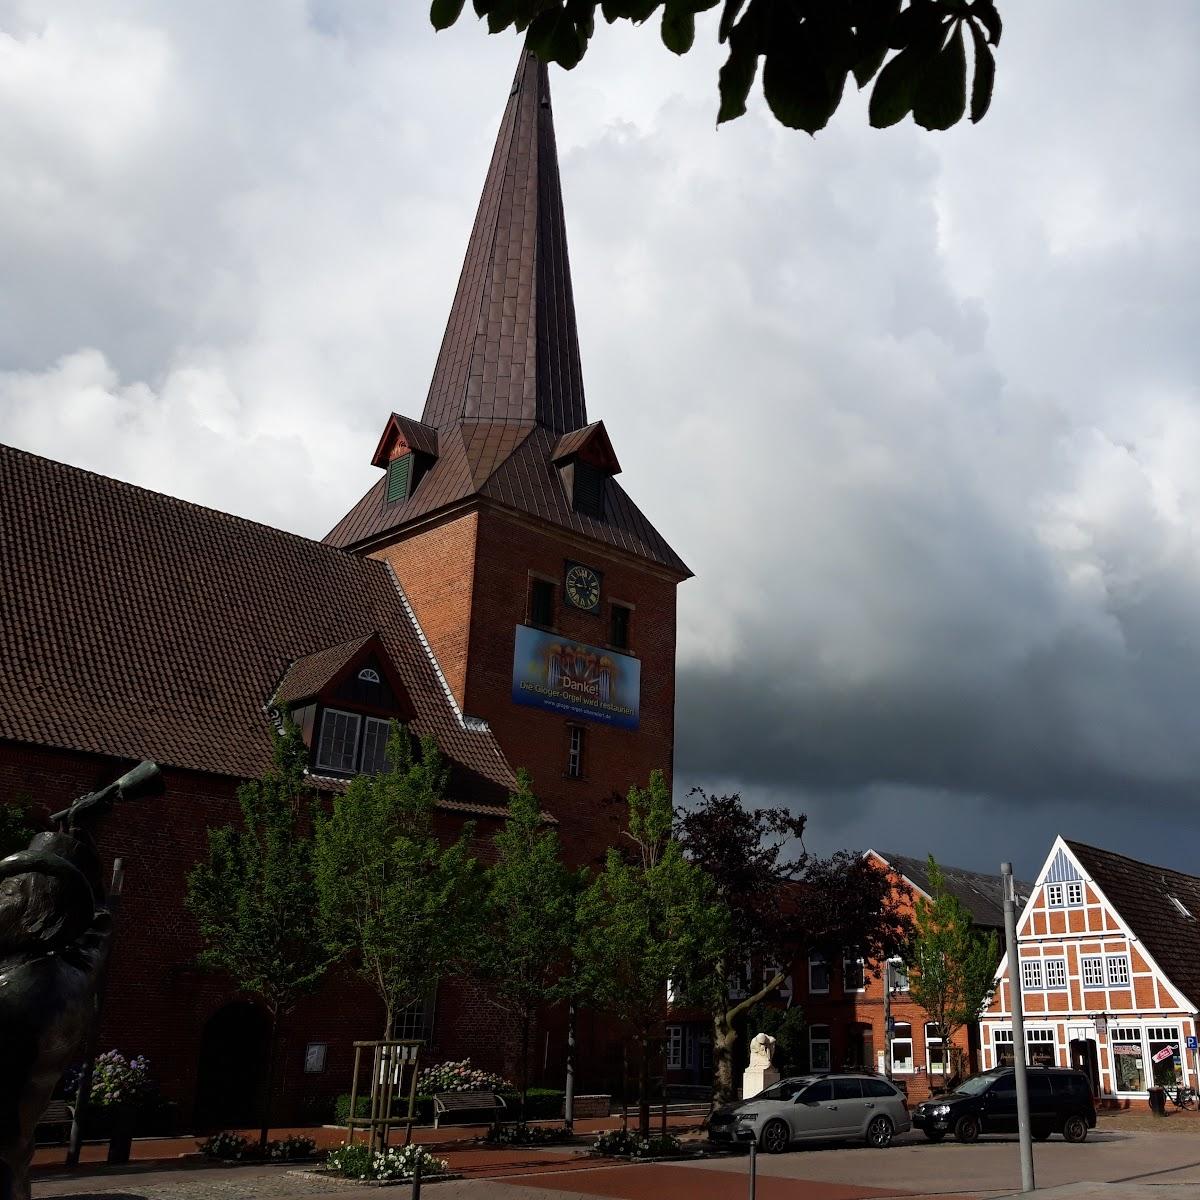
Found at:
(547, 598)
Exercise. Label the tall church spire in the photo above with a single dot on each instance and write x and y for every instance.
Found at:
(510, 353)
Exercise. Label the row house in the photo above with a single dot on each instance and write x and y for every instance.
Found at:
(1109, 954)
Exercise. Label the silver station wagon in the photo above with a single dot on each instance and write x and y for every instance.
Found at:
(816, 1108)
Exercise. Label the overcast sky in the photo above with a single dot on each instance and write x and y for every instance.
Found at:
(921, 411)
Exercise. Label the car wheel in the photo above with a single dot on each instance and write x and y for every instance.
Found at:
(775, 1137)
(1075, 1129)
(935, 1135)
(967, 1129)
(879, 1132)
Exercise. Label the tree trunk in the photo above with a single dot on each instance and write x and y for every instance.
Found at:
(272, 1036)
(725, 1039)
(528, 1019)
(644, 1090)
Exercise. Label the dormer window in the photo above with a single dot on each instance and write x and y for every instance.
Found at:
(352, 744)
(588, 490)
(368, 675)
(399, 477)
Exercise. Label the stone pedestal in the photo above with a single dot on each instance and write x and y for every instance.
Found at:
(754, 1079)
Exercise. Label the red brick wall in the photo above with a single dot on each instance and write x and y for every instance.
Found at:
(509, 550)
(158, 1000)
(436, 566)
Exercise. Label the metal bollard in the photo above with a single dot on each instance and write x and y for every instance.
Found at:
(746, 1134)
(416, 1188)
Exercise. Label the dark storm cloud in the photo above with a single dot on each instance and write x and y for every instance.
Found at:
(920, 411)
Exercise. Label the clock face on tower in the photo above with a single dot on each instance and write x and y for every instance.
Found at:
(582, 587)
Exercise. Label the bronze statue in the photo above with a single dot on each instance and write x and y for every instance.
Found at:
(55, 931)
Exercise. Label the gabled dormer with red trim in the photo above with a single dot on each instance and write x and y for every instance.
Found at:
(343, 699)
(406, 450)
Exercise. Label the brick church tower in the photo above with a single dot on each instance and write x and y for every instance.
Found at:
(547, 598)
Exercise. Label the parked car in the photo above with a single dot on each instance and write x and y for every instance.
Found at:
(1060, 1101)
(816, 1108)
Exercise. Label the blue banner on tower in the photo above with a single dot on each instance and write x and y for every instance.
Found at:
(575, 679)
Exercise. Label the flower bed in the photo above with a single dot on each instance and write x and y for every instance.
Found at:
(520, 1134)
(361, 1162)
(232, 1147)
(620, 1143)
(459, 1077)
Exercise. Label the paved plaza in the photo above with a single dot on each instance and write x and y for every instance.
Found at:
(1131, 1165)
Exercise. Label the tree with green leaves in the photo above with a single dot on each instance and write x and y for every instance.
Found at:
(394, 901)
(528, 918)
(650, 920)
(15, 830)
(914, 51)
(255, 900)
(952, 965)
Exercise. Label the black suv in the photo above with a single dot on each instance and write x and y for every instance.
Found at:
(1060, 1101)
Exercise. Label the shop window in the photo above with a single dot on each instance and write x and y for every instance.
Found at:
(935, 1050)
(818, 1048)
(853, 973)
(575, 741)
(902, 1048)
(1118, 970)
(618, 626)
(337, 749)
(1128, 1058)
(541, 602)
(1040, 1046)
(1002, 1047)
(1166, 1054)
(818, 973)
(1031, 974)
(1093, 971)
(1056, 973)
(674, 1047)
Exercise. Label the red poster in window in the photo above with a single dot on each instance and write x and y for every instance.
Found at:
(1164, 1053)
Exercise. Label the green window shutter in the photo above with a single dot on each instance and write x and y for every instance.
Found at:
(399, 473)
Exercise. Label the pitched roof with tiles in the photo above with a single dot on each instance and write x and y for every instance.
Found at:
(140, 626)
(1140, 892)
(507, 390)
(308, 675)
(980, 893)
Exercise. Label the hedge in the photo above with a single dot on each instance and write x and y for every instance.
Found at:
(541, 1104)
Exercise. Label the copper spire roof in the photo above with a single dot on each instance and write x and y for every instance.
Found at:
(510, 353)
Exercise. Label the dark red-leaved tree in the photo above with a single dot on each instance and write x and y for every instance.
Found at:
(782, 903)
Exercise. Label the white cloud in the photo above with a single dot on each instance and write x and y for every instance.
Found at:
(920, 411)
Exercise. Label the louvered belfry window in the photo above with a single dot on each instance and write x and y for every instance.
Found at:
(588, 489)
(399, 475)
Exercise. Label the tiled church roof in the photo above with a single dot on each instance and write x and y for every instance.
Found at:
(137, 625)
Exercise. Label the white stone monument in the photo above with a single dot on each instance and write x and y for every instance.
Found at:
(760, 1073)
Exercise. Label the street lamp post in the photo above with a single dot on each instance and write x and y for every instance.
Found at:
(1024, 1132)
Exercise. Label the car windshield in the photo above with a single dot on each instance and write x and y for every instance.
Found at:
(784, 1090)
(975, 1085)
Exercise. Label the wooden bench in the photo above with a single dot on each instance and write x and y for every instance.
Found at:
(453, 1102)
(57, 1117)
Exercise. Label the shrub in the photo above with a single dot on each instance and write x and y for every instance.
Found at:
(226, 1146)
(360, 1162)
(291, 1148)
(459, 1077)
(423, 1111)
(520, 1134)
(620, 1143)
(541, 1103)
(117, 1082)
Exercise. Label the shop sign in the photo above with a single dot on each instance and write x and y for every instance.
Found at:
(575, 679)
(1165, 1053)
(1130, 1051)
